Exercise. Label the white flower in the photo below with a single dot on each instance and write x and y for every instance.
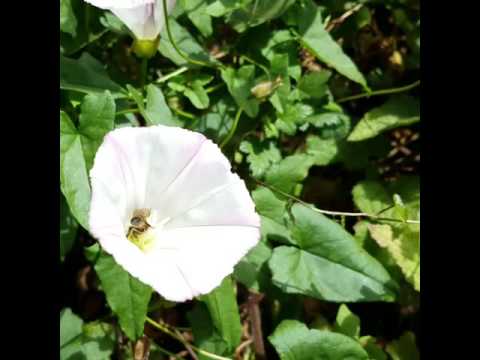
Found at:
(202, 219)
(143, 17)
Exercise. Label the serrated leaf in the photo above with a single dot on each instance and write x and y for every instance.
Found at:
(294, 341)
(398, 111)
(331, 124)
(78, 147)
(239, 83)
(315, 38)
(127, 296)
(328, 263)
(87, 75)
(223, 309)
(347, 322)
(290, 171)
(260, 156)
(315, 84)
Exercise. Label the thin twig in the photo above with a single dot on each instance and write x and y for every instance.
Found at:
(328, 212)
(343, 17)
(187, 345)
(163, 328)
(242, 346)
(174, 44)
(379, 92)
(172, 74)
(232, 129)
(256, 325)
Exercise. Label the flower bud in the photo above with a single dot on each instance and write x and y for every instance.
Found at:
(145, 48)
(266, 88)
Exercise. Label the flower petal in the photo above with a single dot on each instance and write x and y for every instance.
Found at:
(207, 173)
(119, 4)
(230, 205)
(141, 20)
(201, 257)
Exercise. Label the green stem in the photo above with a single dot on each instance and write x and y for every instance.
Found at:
(380, 92)
(214, 88)
(265, 70)
(232, 129)
(172, 74)
(174, 44)
(143, 74)
(172, 334)
(328, 212)
(184, 113)
(126, 111)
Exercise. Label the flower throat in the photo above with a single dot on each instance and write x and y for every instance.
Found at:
(138, 232)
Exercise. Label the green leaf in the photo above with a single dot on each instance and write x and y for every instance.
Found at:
(222, 306)
(70, 334)
(347, 322)
(283, 42)
(185, 41)
(403, 244)
(331, 124)
(398, 111)
(290, 171)
(96, 120)
(196, 11)
(239, 83)
(216, 123)
(371, 197)
(68, 229)
(78, 147)
(98, 341)
(68, 21)
(294, 341)
(126, 295)
(87, 75)
(315, 38)
(197, 95)
(375, 352)
(254, 13)
(92, 341)
(205, 335)
(252, 271)
(272, 211)
(157, 110)
(315, 84)
(404, 348)
(260, 155)
(329, 264)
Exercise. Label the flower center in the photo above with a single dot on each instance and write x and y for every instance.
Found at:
(141, 231)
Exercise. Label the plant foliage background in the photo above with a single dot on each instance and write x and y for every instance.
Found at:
(316, 104)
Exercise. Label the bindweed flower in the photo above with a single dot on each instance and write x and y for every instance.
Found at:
(167, 207)
(145, 18)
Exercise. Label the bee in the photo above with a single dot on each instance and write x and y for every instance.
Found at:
(138, 223)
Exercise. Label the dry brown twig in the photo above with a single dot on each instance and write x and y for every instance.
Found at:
(338, 21)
